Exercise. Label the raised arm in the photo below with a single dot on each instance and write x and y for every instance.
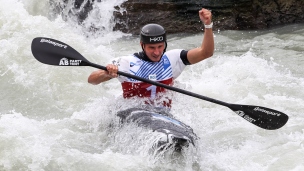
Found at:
(207, 47)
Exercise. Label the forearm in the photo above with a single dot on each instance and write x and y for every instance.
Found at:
(98, 77)
(205, 50)
(207, 47)
(208, 43)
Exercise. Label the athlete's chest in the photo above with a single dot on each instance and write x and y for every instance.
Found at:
(151, 70)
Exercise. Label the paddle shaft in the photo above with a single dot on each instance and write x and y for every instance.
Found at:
(164, 86)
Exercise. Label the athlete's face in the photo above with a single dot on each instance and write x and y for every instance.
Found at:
(154, 51)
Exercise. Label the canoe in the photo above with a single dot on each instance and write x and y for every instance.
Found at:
(176, 134)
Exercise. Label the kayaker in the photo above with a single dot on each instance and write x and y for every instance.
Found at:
(155, 63)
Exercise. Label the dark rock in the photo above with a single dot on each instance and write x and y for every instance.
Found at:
(182, 16)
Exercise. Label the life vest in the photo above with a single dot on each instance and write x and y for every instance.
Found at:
(165, 71)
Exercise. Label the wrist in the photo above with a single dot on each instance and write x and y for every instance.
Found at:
(208, 26)
(104, 75)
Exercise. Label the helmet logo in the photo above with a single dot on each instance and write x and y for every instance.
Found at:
(157, 39)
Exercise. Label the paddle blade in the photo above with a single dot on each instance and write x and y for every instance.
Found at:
(54, 52)
(260, 116)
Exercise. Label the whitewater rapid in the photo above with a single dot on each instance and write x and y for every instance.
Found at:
(52, 119)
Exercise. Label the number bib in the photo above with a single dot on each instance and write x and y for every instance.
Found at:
(145, 90)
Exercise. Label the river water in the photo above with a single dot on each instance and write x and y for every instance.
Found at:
(52, 119)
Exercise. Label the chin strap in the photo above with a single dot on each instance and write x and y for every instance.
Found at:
(165, 47)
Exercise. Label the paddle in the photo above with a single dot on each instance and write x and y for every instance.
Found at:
(54, 52)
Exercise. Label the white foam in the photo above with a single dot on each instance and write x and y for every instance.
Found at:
(51, 118)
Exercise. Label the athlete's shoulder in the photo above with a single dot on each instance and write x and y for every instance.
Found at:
(174, 55)
(173, 52)
(177, 64)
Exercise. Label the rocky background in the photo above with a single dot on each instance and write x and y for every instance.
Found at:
(182, 15)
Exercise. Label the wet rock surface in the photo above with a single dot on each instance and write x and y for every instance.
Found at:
(181, 16)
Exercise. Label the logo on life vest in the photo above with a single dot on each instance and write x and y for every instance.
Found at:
(67, 62)
(157, 39)
(137, 63)
(116, 62)
(166, 61)
(152, 77)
